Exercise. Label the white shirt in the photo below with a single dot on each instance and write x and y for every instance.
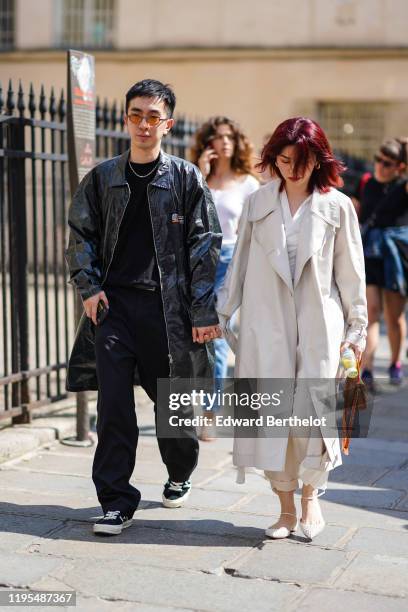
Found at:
(292, 227)
(229, 203)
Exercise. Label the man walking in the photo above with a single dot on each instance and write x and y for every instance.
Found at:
(143, 248)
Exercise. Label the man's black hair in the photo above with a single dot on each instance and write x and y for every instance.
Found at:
(149, 88)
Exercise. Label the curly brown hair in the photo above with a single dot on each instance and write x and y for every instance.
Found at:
(241, 161)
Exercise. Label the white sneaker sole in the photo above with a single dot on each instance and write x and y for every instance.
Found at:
(112, 529)
(175, 503)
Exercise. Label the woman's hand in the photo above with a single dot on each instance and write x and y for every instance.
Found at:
(355, 348)
(205, 159)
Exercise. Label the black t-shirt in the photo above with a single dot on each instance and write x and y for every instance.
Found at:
(134, 259)
(389, 202)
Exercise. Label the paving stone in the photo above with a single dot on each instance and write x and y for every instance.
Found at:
(267, 505)
(154, 546)
(374, 540)
(403, 504)
(396, 479)
(380, 573)
(368, 497)
(81, 465)
(330, 537)
(200, 498)
(66, 450)
(334, 513)
(203, 498)
(212, 458)
(338, 493)
(47, 505)
(44, 483)
(19, 531)
(350, 516)
(21, 570)
(232, 523)
(374, 458)
(194, 590)
(254, 482)
(389, 434)
(389, 422)
(212, 522)
(333, 600)
(356, 474)
(157, 473)
(284, 560)
(96, 604)
(57, 464)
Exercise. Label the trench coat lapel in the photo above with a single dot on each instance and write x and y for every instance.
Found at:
(324, 212)
(269, 230)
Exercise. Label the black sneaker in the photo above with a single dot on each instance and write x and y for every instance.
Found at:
(175, 493)
(112, 523)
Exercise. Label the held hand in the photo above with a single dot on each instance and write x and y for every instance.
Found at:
(204, 162)
(91, 305)
(355, 348)
(206, 334)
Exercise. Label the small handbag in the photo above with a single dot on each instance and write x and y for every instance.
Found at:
(355, 398)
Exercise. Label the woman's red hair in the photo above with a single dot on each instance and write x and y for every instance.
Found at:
(308, 138)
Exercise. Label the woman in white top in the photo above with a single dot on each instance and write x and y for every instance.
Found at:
(298, 275)
(224, 155)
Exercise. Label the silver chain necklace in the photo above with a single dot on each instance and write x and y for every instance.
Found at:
(143, 175)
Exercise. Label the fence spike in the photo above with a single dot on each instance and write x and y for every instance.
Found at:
(98, 112)
(53, 107)
(42, 105)
(20, 100)
(10, 104)
(114, 115)
(31, 102)
(105, 114)
(61, 107)
(122, 113)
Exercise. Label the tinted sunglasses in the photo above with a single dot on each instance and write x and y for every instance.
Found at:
(151, 120)
(380, 160)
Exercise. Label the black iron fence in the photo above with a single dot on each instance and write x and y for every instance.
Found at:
(36, 304)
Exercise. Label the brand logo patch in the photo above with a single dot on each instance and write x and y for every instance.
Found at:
(175, 218)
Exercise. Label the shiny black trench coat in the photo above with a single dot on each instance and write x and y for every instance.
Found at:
(187, 239)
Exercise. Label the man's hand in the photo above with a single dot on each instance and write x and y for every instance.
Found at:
(91, 305)
(355, 348)
(206, 334)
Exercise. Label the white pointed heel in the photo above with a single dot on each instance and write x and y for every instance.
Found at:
(279, 533)
(311, 530)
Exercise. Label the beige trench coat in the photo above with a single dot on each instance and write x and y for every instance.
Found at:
(293, 329)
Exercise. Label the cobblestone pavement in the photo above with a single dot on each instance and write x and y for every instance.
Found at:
(212, 554)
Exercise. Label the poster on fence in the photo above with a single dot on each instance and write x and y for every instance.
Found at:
(80, 115)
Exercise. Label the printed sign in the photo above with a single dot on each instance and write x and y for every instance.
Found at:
(80, 115)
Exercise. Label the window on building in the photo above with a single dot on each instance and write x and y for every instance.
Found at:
(6, 24)
(85, 23)
(356, 128)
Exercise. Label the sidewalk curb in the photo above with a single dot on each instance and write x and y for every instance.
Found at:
(17, 440)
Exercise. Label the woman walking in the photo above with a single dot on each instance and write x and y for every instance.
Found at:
(224, 155)
(384, 220)
(298, 275)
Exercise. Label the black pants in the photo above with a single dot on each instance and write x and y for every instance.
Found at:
(134, 333)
